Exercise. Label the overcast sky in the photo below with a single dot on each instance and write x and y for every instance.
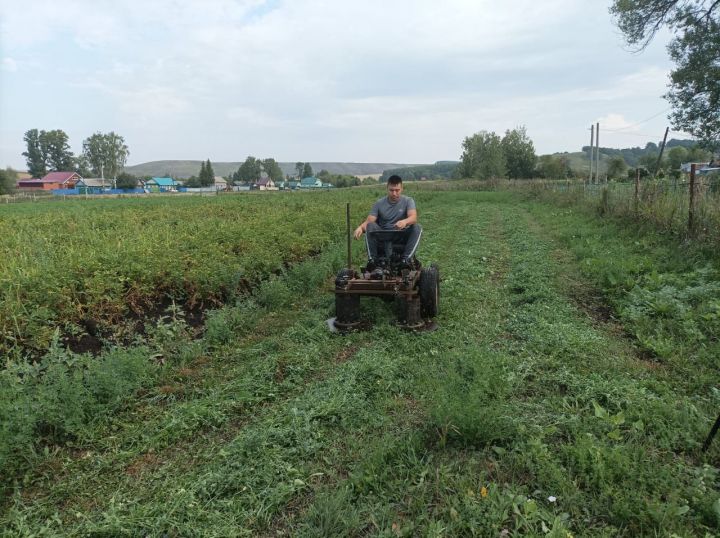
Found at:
(313, 80)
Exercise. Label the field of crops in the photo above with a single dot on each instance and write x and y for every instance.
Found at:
(79, 265)
(567, 393)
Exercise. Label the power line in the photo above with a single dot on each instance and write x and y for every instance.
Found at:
(638, 123)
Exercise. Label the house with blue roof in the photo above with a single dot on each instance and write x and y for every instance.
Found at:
(161, 184)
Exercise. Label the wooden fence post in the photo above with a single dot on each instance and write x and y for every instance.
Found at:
(637, 192)
(691, 209)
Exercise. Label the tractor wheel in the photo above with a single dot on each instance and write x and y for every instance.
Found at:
(430, 291)
(343, 276)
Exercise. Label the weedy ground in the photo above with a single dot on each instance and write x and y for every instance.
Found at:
(567, 393)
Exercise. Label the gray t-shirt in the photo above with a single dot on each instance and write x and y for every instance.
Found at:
(388, 214)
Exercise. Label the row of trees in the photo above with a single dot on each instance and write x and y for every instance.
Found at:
(695, 49)
(103, 155)
(487, 155)
(252, 169)
(205, 178)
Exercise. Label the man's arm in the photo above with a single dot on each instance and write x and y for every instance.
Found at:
(361, 229)
(411, 219)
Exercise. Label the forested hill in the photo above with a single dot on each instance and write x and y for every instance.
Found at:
(632, 156)
(185, 169)
(439, 170)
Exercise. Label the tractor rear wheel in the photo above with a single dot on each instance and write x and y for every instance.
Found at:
(430, 291)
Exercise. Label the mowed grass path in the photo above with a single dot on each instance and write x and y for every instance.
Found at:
(523, 415)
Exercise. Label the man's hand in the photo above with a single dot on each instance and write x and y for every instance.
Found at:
(358, 232)
(401, 224)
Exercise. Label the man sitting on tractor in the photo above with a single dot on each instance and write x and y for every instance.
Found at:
(392, 212)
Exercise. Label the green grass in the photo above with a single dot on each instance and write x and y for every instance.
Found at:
(530, 412)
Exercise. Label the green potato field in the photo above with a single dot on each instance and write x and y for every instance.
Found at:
(567, 392)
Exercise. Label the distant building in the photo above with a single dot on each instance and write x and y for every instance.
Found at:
(311, 183)
(701, 168)
(265, 184)
(92, 185)
(161, 184)
(51, 181)
(221, 183)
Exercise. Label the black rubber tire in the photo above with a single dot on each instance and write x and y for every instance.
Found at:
(430, 291)
(343, 276)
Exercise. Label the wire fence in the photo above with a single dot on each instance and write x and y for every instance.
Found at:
(689, 208)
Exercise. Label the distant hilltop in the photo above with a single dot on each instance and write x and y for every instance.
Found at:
(185, 169)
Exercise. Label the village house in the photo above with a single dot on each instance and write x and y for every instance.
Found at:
(51, 181)
(93, 185)
(310, 183)
(265, 184)
(221, 183)
(161, 184)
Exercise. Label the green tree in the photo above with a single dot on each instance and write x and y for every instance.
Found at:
(675, 158)
(616, 167)
(482, 156)
(7, 181)
(649, 162)
(695, 48)
(82, 166)
(201, 175)
(272, 169)
(553, 167)
(106, 154)
(126, 181)
(55, 147)
(249, 171)
(307, 170)
(519, 152)
(34, 155)
(299, 169)
(697, 154)
(209, 173)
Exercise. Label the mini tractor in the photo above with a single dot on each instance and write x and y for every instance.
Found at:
(415, 290)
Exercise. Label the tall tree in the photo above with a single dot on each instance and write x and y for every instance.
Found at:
(56, 148)
(272, 169)
(201, 175)
(210, 173)
(307, 170)
(34, 155)
(482, 156)
(519, 153)
(106, 154)
(117, 153)
(250, 170)
(299, 169)
(695, 48)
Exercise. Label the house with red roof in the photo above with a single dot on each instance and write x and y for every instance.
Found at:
(51, 181)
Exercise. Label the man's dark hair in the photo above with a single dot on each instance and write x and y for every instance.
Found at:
(394, 180)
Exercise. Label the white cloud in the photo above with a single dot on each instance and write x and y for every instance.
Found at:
(8, 64)
(614, 121)
(408, 76)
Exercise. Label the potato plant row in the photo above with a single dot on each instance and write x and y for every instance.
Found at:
(80, 264)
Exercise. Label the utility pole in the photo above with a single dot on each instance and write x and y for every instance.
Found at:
(597, 152)
(592, 146)
(662, 148)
